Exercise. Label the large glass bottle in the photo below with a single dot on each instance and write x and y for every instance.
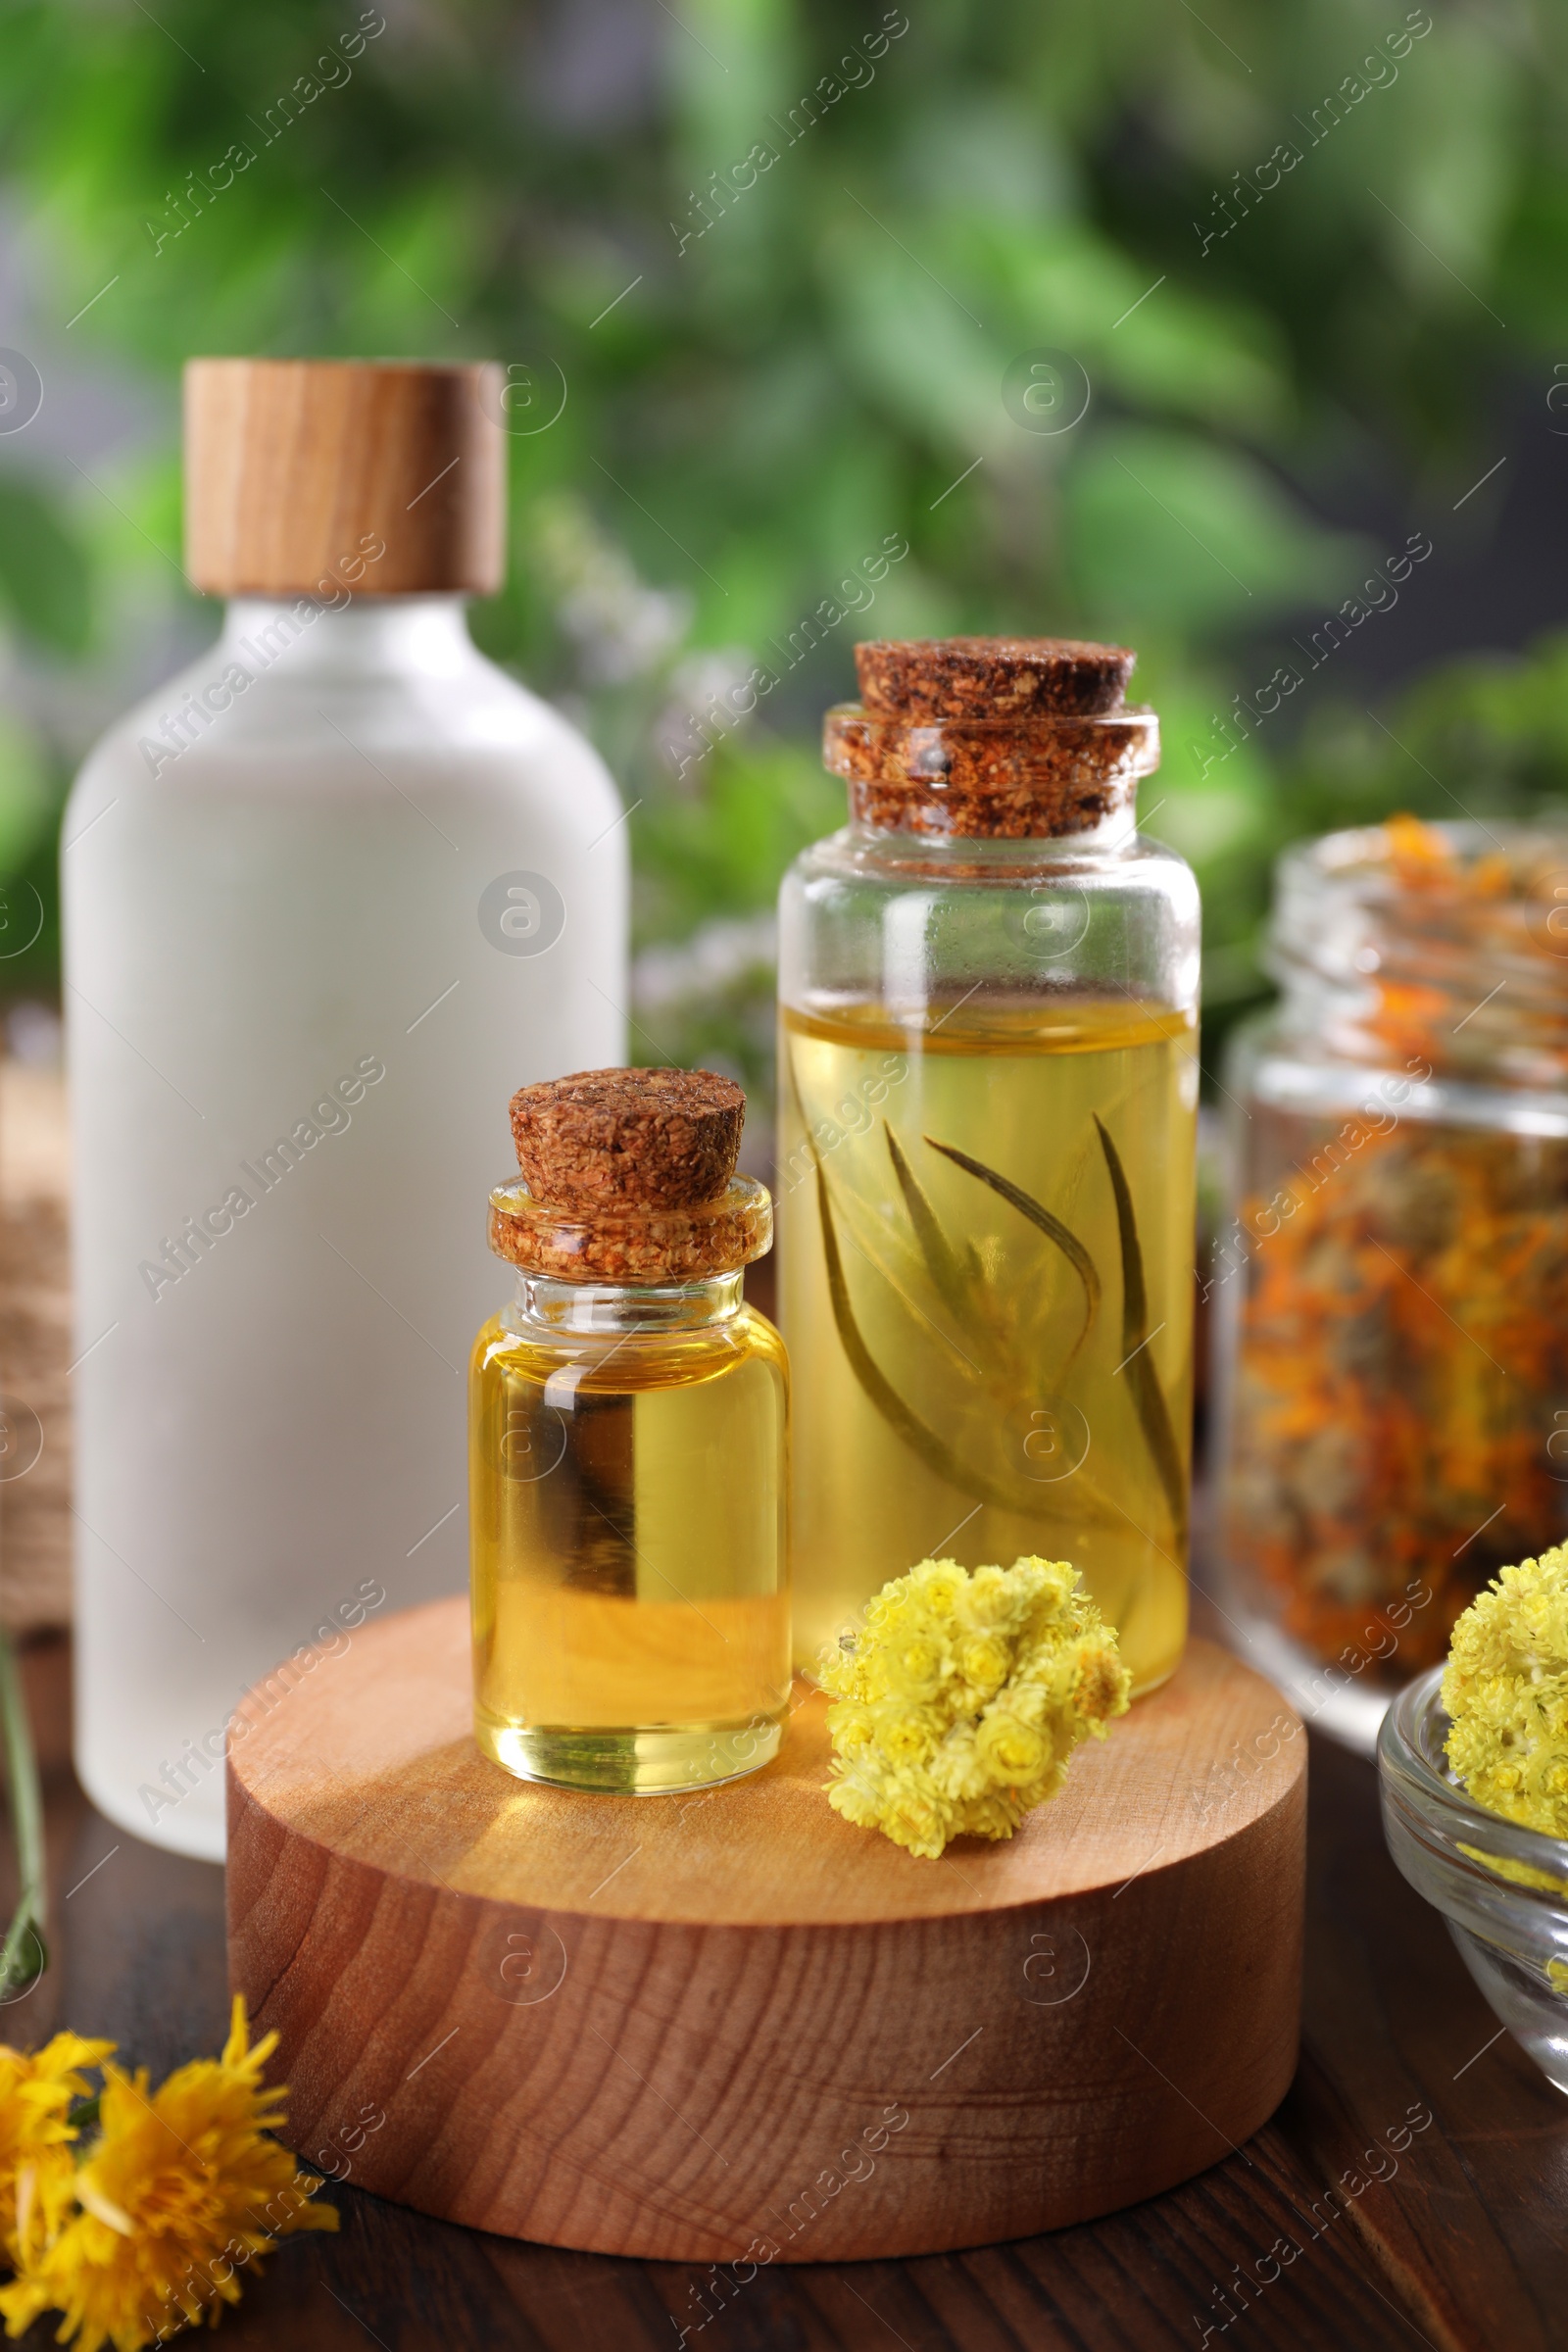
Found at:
(323, 894)
(988, 1095)
(1391, 1288)
(628, 1418)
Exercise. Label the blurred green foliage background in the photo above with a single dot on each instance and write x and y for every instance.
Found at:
(1291, 368)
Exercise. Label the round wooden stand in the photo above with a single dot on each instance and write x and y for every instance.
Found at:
(731, 2028)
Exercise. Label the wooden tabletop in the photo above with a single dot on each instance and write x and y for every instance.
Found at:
(1354, 2224)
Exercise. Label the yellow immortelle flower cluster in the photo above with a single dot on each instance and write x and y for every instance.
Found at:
(139, 2231)
(960, 1704)
(1505, 1689)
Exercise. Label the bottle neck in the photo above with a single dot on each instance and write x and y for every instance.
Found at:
(365, 636)
(567, 1310)
(971, 852)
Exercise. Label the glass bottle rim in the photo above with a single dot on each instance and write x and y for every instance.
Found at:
(1494, 1875)
(1439, 942)
(1026, 860)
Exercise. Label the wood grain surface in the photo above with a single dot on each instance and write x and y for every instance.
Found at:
(1461, 2248)
(295, 470)
(732, 2028)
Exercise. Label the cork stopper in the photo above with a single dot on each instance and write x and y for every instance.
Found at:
(629, 1176)
(651, 1139)
(1006, 680)
(306, 477)
(1005, 738)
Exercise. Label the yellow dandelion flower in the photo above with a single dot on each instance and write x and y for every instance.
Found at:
(1011, 1667)
(1505, 1689)
(180, 2191)
(37, 2168)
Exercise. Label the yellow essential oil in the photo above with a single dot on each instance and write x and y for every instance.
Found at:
(632, 1621)
(628, 1420)
(995, 1357)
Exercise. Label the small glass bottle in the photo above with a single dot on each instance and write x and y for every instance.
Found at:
(629, 1418)
(988, 1097)
(1390, 1285)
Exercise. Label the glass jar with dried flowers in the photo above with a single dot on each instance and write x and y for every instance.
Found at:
(1392, 1287)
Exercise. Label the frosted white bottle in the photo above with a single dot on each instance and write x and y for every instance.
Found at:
(372, 887)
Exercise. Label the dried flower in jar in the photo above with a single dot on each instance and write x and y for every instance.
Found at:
(1405, 1331)
(1399, 1393)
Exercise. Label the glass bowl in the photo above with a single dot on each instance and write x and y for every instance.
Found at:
(1502, 1890)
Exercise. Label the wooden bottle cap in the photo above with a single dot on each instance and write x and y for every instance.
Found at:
(296, 468)
(1007, 681)
(651, 1138)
